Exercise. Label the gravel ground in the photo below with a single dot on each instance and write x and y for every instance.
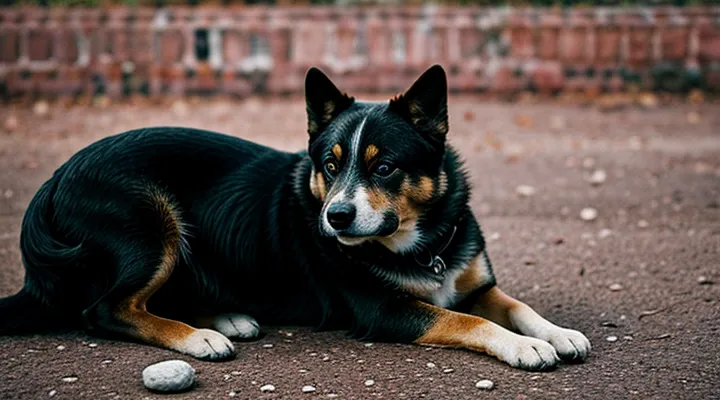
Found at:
(641, 280)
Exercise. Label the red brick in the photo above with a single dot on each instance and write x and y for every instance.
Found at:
(9, 45)
(171, 46)
(548, 43)
(709, 46)
(40, 44)
(548, 77)
(607, 45)
(66, 50)
(573, 44)
(639, 46)
(674, 43)
(521, 43)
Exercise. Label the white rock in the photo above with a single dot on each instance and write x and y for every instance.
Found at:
(332, 395)
(430, 365)
(611, 339)
(52, 393)
(70, 379)
(41, 108)
(268, 346)
(369, 382)
(92, 345)
(61, 347)
(308, 389)
(615, 287)
(169, 376)
(525, 190)
(267, 388)
(588, 214)
(598, 177)
(485, 384)
(448, 370)
(604, 233)
(643, 224)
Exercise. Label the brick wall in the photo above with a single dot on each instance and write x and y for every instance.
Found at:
(117, 51)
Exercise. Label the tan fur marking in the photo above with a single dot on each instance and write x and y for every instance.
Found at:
(370, 152)
(419, 193)
(322, 191)
(471, 278)
(453, 329)
(378, 199)
(406, 209)
(337, 151)
(149, 327)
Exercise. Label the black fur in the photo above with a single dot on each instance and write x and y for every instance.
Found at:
(92, 234)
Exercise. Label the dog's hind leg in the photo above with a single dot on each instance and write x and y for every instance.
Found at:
(146, 265)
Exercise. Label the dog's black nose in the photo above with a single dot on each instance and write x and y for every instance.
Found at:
(341, 215)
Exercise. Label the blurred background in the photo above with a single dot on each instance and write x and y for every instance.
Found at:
(77, 50)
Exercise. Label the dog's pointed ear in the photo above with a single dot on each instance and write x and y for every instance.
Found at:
(323, 101)
(424, 104)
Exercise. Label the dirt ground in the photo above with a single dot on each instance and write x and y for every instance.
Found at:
(644, 272)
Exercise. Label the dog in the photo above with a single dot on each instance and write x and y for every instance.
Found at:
(185, 239)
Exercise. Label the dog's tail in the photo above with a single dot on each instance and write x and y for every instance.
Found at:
(36, 307)
(22, 314)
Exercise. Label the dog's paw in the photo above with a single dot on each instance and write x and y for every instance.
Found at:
(206, 344)
(571, 345)
(237, 326)
(528, 353)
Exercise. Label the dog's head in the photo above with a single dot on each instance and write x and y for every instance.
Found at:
(377, 166)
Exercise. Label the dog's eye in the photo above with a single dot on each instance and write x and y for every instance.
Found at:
(384, 169)
(331, 168)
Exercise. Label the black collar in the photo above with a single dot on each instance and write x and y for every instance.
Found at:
(426, 259)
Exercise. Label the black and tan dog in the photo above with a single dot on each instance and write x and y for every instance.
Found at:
(368, 230)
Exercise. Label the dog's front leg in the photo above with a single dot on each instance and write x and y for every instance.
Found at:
(513, 314)
(425, 324)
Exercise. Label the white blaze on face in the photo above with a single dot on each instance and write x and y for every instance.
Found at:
(339, 189)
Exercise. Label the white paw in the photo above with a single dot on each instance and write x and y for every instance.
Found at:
(237, 326)
(571, 345)
(527, 353)
(207, 344)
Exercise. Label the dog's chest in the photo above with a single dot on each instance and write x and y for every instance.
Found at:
(457, 283)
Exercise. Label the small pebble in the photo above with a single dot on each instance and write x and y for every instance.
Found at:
(92, 345)
(169, 376)
(703, 280)
(268, 346)
(430, 365)
(597, 178)
(70, 379)
(643, 224)
(369, 382)
(236, 373)
(232, 394)
(308, 389)
(604, 233)
(448, 370)
(267, 388)
(332, 395)
(485, 384)
(525, 190)
(368, 345)
(61, 347)
(611, 339)
(52, 393)
(41, 108)
(588, 214)
(615, 287)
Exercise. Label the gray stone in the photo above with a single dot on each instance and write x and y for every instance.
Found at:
(169, 376)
